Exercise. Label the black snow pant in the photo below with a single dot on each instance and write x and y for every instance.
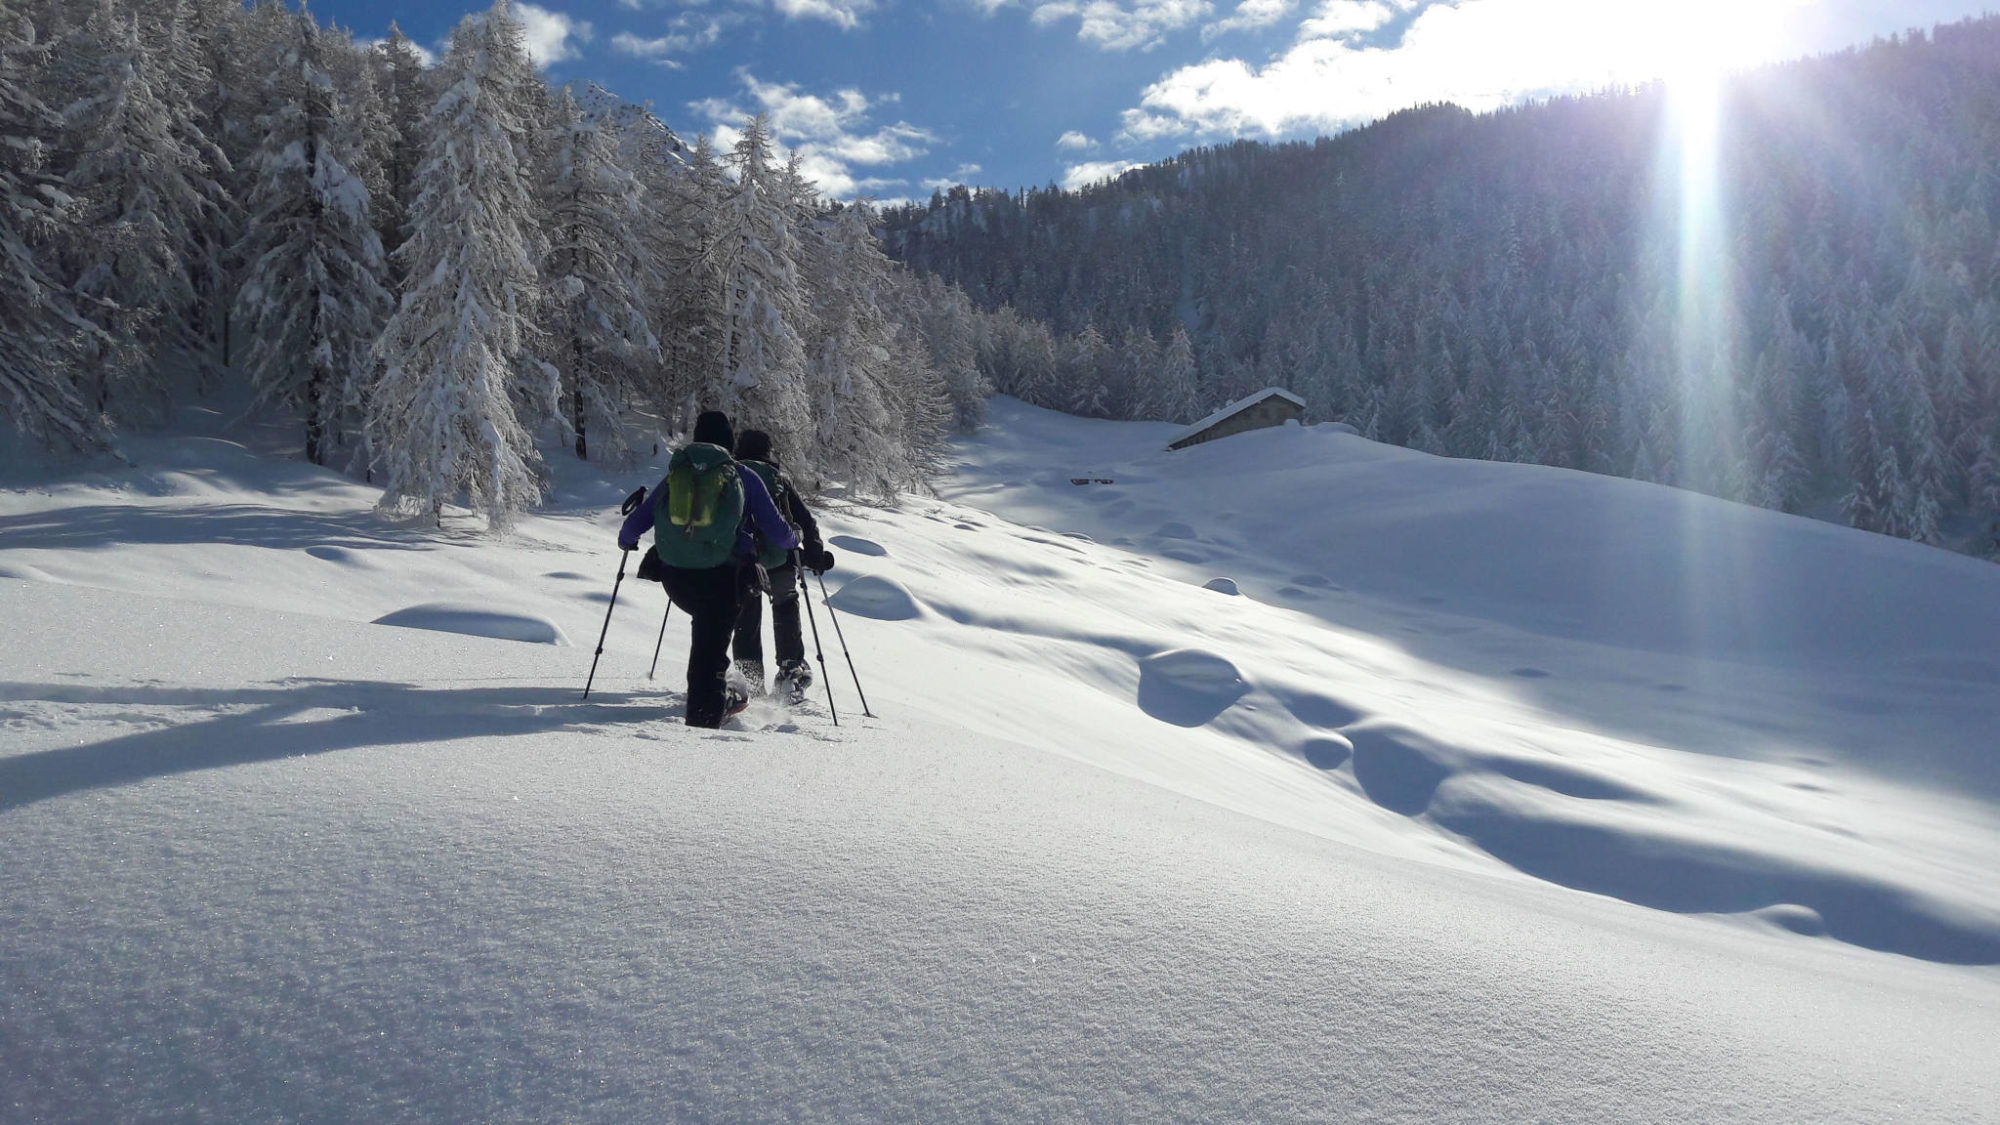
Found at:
(786, 638)
(712, 599)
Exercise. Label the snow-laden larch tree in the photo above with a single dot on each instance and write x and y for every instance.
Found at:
(596, 320)
(313, 298)
(144, 179)
(39, 326)
(766, 316)
(455, 355)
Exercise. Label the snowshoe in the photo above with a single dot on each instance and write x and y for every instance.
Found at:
(734, 701)
(794, 677)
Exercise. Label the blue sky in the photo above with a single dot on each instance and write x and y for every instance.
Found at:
(892, 98)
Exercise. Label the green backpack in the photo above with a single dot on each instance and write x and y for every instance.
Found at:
(696, 515)
(770, 556)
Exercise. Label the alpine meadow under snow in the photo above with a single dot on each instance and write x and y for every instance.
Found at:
(1492, 793)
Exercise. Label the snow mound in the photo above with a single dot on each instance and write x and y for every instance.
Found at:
(1188, 687)
(26, 573)
(858, 545)
(874, 596)
(1583, 829)
(1222, 586)
(1328, 752)
(475, 621)
(341, 555)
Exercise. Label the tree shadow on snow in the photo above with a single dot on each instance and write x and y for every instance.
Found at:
(243, 726)
(102, 526)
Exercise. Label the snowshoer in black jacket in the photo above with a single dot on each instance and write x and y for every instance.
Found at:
(707, 517)
(753, 450)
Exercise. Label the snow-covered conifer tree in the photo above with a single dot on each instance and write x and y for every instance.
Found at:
(1086, 358)
(39, 327)
(1985, 481)
(182, 29)
(945, 318)
(146, 188)
(455, 353)
(596, 323)
(850, 351)
(1926, 479)
(766, 317)
(313, 298)
(406, 93)
(686, 285)
(1870, 503)
(1173, 392)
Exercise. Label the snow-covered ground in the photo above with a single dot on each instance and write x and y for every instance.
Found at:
(1491, 793)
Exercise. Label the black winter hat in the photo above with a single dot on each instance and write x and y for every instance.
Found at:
(713, 427)
(755, 445)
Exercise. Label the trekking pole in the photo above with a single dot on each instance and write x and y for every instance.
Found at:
(835, 618)
(631, 502)
(662, 640)
(819, 652)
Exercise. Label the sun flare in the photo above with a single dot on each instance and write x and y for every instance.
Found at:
(1686, 42)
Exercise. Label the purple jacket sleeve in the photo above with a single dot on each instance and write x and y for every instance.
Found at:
(757, 503)
(640, 521)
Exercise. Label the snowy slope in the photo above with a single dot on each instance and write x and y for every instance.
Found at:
(1118, 846)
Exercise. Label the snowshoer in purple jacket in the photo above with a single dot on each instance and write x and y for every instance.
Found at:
(706, 515)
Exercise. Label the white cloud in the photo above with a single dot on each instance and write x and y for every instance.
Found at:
(1074, 141)
(845, 14)
(1479, 53)
(962, 175)
(1120, 25)
(626, 43)
(687, 33)
(831, 135)
(546, 34)
(1337, 18)
(1250, 15)
(1093, 171)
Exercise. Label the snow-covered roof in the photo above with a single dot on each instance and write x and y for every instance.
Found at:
(1244, 403)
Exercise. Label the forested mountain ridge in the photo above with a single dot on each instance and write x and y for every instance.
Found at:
(1814, 327)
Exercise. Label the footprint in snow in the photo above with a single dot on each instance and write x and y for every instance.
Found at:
(859, 546)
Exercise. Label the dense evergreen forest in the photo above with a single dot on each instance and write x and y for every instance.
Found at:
(441, 272)
(1798, 307)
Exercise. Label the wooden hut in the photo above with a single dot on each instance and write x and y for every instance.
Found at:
(1272, 406)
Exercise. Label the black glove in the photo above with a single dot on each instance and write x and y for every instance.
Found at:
(819, 560)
